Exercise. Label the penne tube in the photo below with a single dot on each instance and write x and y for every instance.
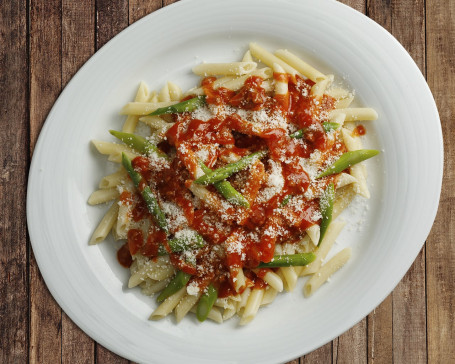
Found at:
(274, 281)
(269, 59)
(314, 232)
(227, 69)
(163, 95)
(114, 179)
(318, 89)
(356, 114)
(149, 286)
(102, 196)
(175, 92)
(326, 271)
(247, 57)
(330, 236)
(214, 314)
(298, 64)
(269, 296)
(252, 306)
(184, 306)
(144, 108)
(168, 305)
(131, 121)
(105, 225)
(290, 278)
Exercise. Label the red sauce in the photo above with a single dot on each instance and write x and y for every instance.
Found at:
(359, 130)
(266, 223)
(124, 256)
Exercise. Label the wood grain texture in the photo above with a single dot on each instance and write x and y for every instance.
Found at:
(111, 18)
(45, 85)
(140, 8)
(409, 306)
(78, 44)
(440, 252)
(14, 161)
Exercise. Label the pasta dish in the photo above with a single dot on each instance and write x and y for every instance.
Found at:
(228, 193)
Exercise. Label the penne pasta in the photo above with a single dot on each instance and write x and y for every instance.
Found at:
(226, 198)
(326, 271)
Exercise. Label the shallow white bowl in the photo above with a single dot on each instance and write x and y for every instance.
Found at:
(405, 180)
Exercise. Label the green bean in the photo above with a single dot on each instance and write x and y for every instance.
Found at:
(194, 241)
(178, 282)
(227, 191)
(326, 207)
(226, 171)
(328, 126)
(290, 260)
(138, 143)
(348, 159)
(206, 302)
(147, 195)
(184, 106)
(286, 200)
(298, 134)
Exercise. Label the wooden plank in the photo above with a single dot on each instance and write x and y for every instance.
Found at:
(440, 252)
(380, 321)
(359, 5)
(322, 355)
(78, 44)
(351, 347)
(45, 85)
(380, 333)
(141, 8)
(14, 159)
(112, 17)
(409, 309)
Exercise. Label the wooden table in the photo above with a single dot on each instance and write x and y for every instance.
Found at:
(44, 42)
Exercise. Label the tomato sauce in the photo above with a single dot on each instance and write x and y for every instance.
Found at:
(214, 141)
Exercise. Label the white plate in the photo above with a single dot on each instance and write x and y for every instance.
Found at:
(405, 179)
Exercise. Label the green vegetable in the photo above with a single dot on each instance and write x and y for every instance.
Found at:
(298, 134)
(184, 106)
(147, 195)
(348, 159)
(290, 260)
(328, 126)
(138, 143)
(225, 189)
(326, 207)
(286, 200)
(206, 302)
(178, 282)
(226, 171)
(194, 241)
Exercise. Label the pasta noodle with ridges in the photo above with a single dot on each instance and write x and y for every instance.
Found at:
(203, 221)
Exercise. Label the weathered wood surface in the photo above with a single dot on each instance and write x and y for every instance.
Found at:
(44, 42)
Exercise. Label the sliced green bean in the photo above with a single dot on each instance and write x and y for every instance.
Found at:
(139, 143)
(178, 282)
(291, 260)
(329, 126)
(206, 302)
(147, 195)
(326, 207)
(347, 160)
(193, 241)
(227, 191)
(286, 200)
(184, 106)
(228, 170)
(298, 134)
